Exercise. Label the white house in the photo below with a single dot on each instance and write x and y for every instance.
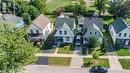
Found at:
(65, 28)
(120, 33)
(91, 27)
(40, 29)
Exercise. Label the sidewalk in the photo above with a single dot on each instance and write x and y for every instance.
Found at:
(114, 63)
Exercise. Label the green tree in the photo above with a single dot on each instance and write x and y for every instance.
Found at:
(101, 5)
(40, 5)
(120, 8)
(95, 54)
(33, 12)
(115, 7)
(15, 51)
(93, 42)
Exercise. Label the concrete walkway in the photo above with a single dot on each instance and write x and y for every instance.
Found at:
(56, 51)
(114, 63)
(77, 61)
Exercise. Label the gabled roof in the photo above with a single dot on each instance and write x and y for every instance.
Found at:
(41, 21)
(69, 21)
(97, 28)
(90, 21)
(119, 25)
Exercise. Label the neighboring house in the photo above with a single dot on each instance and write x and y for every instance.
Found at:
(120, 33)
(65, 28)
(40, 29)
(91, 27)
(12, 19)
(89, 2)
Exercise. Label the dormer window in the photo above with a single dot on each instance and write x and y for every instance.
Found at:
(125, 34)
(60, 32)
(119, 34)
(65, 32)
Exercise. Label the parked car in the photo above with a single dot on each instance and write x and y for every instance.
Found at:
(98, 69)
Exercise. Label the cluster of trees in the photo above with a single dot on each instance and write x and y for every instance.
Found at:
(118, 8)
(15, 51)
(29, 10)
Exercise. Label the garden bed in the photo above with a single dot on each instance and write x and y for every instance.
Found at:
(102, 62)
(123, 52)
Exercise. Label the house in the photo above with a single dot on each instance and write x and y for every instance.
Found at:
(12, 19)
(65, 28)
(120, 33)
(40, 29)
(91, 27)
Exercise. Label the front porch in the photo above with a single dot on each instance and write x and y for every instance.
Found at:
(35, 37)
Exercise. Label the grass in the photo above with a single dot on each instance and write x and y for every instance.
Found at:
(66, 49)
(59, 61)
(52, 5)
(52, 50)
(101, 62)
(125, 63)
(128, 21)
(123, 52)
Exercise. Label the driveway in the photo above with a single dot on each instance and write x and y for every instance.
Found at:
(77, 61)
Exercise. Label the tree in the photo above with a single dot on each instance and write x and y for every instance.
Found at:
(115, 7)
(15, 51)
(93, 42)
(101, 5)
(33, 12)
(26, 17)
(95, 54)
(40, 5)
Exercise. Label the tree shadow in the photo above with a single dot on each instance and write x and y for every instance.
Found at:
(42, 61)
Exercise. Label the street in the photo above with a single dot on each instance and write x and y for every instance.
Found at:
(52, 69)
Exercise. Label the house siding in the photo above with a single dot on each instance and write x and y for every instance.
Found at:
(92, 31)
(70, 34)
(113, 33)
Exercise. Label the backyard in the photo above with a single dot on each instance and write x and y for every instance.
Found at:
(52, 5)
(102, 62)
(59, 61)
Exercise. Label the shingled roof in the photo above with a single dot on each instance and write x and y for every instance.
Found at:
(69, 21)
(41, 21)
(90, 21)
(119, 25)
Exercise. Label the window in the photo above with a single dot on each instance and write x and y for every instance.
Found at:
(84, 39)
(119, 34)
(60, 32)
(37, 31)
(65, 32)
(125, 34)
(129, 35)
(95, 33)
(31, 31)
(67, 39)
(90, 32)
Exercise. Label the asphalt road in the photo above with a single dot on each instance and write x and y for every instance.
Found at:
(51, 69)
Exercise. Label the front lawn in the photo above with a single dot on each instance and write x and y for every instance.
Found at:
(52, 5)
(125, 63)
(102, 62)
(123, 52)
(66, 49)
(59, 61)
